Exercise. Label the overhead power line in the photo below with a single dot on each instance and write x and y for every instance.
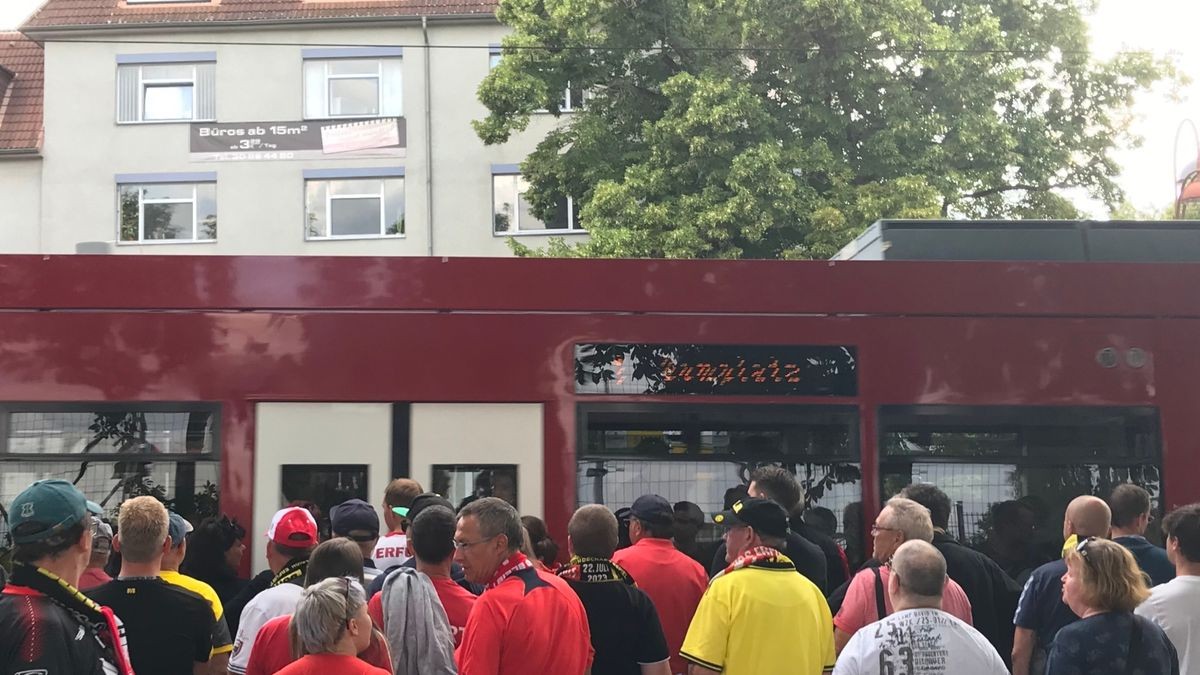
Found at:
(877, 50)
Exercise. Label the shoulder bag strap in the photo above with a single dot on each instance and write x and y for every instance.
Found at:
(880, 606)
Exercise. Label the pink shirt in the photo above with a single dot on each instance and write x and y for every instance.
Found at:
(674, 583)
(859, 608)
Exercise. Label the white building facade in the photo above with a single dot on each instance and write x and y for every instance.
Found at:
(247, 128)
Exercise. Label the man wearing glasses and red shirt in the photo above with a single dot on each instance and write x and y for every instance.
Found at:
(526, 621)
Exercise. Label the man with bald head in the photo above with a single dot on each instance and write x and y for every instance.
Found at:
(918, 637)
(1041, 611)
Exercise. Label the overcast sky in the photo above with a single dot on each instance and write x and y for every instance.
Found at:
(1166, 27)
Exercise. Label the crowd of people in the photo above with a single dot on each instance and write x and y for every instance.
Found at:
(482, 590)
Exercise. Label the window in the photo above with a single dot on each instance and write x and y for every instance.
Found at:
(352, 85)
(464, 483)
(341, 206)
(167, 211)
(511, 214)
(572, 99)
(1010, 471)
(159, 88)
(114, 451)
(696, 453)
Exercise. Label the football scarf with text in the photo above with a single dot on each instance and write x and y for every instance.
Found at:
(515, 563)
(763, 557)
(594, 571)
(292, 573)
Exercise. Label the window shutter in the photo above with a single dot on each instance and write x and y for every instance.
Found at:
(314, 89)
(127, 94)
(393, 87)
(206, 91)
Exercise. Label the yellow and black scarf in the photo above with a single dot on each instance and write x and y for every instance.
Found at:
(594, 571)
(292, 573)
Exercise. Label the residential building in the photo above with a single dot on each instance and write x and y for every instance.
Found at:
(273, 127)
(20, 142)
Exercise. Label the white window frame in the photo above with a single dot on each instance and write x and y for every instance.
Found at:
(131, 70)
(330, 198)
(380, 78)
(572, 216)
(145, 84)
(566, 102)
(142, 202)
(330, 77)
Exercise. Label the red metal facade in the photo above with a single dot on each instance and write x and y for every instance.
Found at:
(238, 331)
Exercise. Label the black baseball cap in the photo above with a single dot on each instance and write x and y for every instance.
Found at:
(426, 500)
(354, 519)
(652, 509)
(764, 515)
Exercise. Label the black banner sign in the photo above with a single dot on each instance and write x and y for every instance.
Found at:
(316, 139)
(790, 370)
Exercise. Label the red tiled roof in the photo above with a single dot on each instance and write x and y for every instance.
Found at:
(21, 101)
(69, 13)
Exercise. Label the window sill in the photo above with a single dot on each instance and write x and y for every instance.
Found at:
(166, 242)
(155, 122)
(538, 233)
(356, 237)
(352, 118)
(572, 111)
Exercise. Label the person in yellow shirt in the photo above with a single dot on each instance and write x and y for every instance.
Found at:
(758, 616)
(177, 531)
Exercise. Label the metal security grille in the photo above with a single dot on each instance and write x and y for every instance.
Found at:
(113, 452)
(109, 483)
(617, 482)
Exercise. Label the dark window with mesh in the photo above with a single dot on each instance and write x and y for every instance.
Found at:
(113, 452)
(464, 483)
(1010, 471)
(699, 453)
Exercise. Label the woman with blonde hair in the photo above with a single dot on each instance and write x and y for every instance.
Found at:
(330, 627)
(1103, 585)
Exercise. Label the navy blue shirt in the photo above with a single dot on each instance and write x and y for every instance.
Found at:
(1152, 559)
(1105, 645)
(1041, 608)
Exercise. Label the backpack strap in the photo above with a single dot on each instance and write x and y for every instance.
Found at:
(880, 606)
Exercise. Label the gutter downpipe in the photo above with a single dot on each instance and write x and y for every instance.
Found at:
(428, 138)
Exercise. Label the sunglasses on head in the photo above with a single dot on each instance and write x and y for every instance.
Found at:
(1082, 547)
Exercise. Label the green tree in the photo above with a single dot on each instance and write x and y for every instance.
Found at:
(779, 128)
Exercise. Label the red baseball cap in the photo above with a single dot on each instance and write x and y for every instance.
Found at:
(293, 526)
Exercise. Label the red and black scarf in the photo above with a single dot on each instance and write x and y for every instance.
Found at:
(594, 571)
(515, 563)
(101, 620)
(763, 557)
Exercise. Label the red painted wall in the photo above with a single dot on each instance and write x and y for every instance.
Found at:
(241, 330)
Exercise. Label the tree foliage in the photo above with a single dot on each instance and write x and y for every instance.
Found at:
(779, 128)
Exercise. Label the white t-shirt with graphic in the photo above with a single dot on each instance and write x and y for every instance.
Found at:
(919, 642)
(1173, 607)
(390, 551)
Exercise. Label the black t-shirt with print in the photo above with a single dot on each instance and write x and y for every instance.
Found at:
(1113, 643)
(168, 628)
(624, 625)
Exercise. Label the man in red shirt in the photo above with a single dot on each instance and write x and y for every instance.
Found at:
(431, 535)
(526, 621)
(673, 581)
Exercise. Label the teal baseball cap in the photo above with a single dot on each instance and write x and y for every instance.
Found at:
(47, 508)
